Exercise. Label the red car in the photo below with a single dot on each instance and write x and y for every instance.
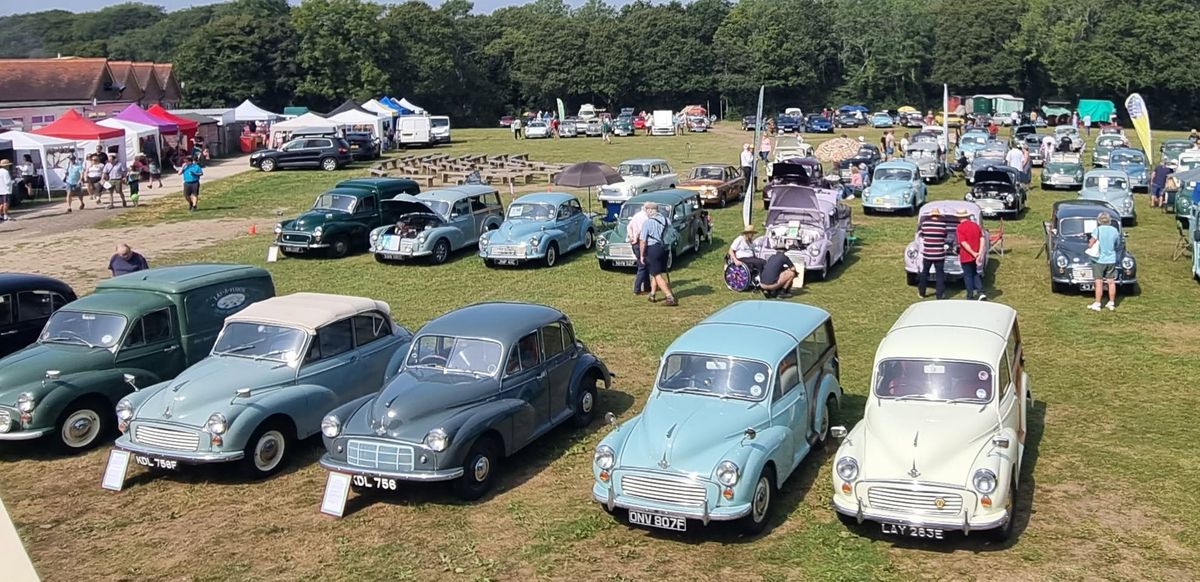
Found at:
(639, 122)
(506, 121)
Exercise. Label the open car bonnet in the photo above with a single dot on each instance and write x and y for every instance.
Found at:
(993, 177)
(403, 204)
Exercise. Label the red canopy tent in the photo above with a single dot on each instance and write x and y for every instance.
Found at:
(187, 126)
(74, 126)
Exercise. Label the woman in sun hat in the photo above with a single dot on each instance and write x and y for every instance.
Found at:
(741, 251)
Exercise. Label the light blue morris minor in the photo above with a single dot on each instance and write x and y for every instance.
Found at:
(971, 142)
(276, 369)
(1111, 186)
(1132, 162)
(436, 223)
(896, 186)
(741, 398)
(539, 227)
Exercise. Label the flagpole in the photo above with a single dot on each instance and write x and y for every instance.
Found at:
(748, 199)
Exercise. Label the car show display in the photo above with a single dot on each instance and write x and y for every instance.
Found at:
(949, 211)
(434, 224)
(998, 190)
(688, 228)
(538, 227)
(1112, 187)
(26, 302)
(1067, 235)
(896, 186)
(342, 218)
(811, 225)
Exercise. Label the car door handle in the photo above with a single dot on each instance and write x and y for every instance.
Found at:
(170, 349)
(541, 376)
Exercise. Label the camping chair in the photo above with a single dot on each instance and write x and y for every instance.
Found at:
(996, 240)
(1183, 246)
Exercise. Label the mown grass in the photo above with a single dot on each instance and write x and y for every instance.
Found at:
(1110, 478)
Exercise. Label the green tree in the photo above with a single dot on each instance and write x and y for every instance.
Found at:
(253, 55)
(341, 50)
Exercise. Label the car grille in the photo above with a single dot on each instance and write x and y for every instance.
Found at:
(506, 251)
(382, 456)
(664, 489)
(910, 501)
(295, 237)
(620, 251)
(167, 438)
(1081, 273)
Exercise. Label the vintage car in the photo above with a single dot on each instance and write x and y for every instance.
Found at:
(741, 399)
(436, 223)
(950, 379)
(326, 152)
(896, 186)
(1067, 234)
(1188, 160)
(1071, 133)
(749, 122)
(639, 176)
(928, 158)
(938, 131)
(697, 124)
(882, 120)
(341, 219)
(812, 223)
(1064, 170)
(539, 227)
(796, 171)
(26, 302)
(506, 120)
(868, 155)
(479, 384)
(848, 119)
(623, 126)
(992, 154)
(971, 142)
(716, 183)
(1020, 131)
(789, 152)
(1111, 186)
(536, 129)
(788, 123)
(1134, 163)
(1105, 144)
(1181, 200)
(817, 123)
(949, 210)
(690, 228)
(1171, 148)
(1033, 143)
(581, 127)
(998, 190)
(136, 329)
(276, 368)
(566, 128)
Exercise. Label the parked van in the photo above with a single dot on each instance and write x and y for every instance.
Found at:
(662, 123)
(587, 111)
(441, 128)
(415, 130)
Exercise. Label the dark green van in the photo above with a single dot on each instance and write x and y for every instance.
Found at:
(342, 219)
(135, 330)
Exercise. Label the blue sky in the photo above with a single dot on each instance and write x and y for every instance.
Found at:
(15, 7)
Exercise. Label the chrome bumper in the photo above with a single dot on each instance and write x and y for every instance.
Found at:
(195, 458)
(427, 476)
(24, 435)
(703, 514)
(965, 525)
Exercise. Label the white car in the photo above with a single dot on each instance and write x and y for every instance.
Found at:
(1077, 141)
(942, 437)
(537, 129)
(640, 176)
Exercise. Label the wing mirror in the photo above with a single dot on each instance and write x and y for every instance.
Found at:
(751, 434)
(610, 418)
(838, 432)
(1000, 442)
(131, 380)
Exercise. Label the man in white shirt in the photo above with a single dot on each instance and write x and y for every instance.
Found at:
(633, 233)
(747, 159)
(1087, 123)
(1014, 158)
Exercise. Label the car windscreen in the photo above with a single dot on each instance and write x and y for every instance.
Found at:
(634, 170)
(1081, 226)
(893, 174)
(922, 379)
(715, 376)
(339, 202)
(530, 211)
(455, 354)
(84, 328)
(259, 341)
(1175, 148)
(1127, 158)
(973, 139)
(921, 153)
(1106, 183)
(707, 173)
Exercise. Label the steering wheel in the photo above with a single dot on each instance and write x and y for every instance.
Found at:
(432, 359)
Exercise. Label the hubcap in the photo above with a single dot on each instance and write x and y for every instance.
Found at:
(588, 240)
(586, 402)
(330, 164)
(482, 466)
(550, 255)
(762, 498)
(81, 428)
(441, 253)
(268, 451)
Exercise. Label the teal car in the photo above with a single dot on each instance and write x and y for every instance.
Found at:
(689, 227)
(896, 186)
(1182, 198)
(971, 142)
(539, 228)
(741, 399)
(1105, 144)
(1063, 170)
(275, 370)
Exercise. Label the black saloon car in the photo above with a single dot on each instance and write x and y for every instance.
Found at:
(817, 123)
(868, 155)
(325, 152)
(997, 190)
(26, 302)
(788, 123)
(848, 120)
(1067, 235)
(363, 145)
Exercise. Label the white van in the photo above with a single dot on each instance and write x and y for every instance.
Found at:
(662, 123)
(441, 128)
(587, 111)
(414, 130)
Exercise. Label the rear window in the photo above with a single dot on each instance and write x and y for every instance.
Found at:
(207, 307)
(933, 380)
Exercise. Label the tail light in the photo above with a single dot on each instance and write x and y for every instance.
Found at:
(342, 150)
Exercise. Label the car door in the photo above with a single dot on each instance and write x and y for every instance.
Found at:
(564, 221)
(818, 359)
(366, 213)
(559, 361)
(331, 363)
(525, 381)
(463, 223)
(152, 343)
(479, 213)
(21, 327)
(291, 154)
(371, 333)
(789, 403)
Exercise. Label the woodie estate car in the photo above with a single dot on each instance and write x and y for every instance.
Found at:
(341, 219)
(436, 223)
(539, 227)
(688, 227)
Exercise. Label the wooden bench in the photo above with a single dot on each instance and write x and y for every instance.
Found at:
(426, 179)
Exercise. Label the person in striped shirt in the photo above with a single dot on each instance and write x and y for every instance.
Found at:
(933, 254)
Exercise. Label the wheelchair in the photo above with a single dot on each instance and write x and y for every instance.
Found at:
(741, 278)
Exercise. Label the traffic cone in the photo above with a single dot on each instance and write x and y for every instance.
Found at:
(253, 229)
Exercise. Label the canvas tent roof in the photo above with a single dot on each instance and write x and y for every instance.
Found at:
(406, 104)
(186, 125)
(348, 105)
(248, 111)
(52, 151)
(360, 117)
(134, 132)
(379, 107)
(308, 121)
(138, 115)
(72, 125)
(198, 118)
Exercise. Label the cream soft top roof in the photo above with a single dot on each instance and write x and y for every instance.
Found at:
(307, 310)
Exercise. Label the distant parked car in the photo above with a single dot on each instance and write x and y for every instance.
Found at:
(848, 120)
(1033, 143)
(436, 223)
(689, 228)
(363, 145)
(1113, 187)
(1105, 144)
(595, 127)
(1063, 170)
(1134, 163)
(793, 171)
(928, 158)
(992, 154)
(479, 384)
(1182, 198)
(536, 129)
(868, 155)
(817, 123)
(539, 227)
(716, 183)
(623, 126)
(341, 219)
(812, 223)
(567, 127)
(1071, 133)
(749, 122)
(1171, 148)
(26, 302)
(639, 176)
(882, 120)
(971, 142)
(998, 190)
(697, 124)
(788, 123)
(506, 121)
(896, 186)
(949, 210)
(324, 152)
(1067, 235)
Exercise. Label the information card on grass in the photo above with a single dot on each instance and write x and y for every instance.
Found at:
(114, 472)
(337, 489)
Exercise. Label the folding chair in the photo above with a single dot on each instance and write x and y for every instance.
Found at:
(1183, 246)
(996, 240)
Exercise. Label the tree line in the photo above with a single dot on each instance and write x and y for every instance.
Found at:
(808, 53)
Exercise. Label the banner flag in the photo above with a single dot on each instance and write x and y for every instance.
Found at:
(562, 111)
(1140, 115)
(748, 200)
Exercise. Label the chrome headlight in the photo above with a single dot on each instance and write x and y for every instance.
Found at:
(911, 253)
(421, 239)
(1127, 263)
(604, 457)
(969, 197)
(317, 232)
(1129, 205)
(601, 242)
(436, 440)
(727, 473)
(1009, 198)
(534, 241)
(483, 240)
(331, 426)
(25, 402)
(124, 410)
(374, 236)
(847, 468)
(814, 250)
(217, 424)
(1060, 261)
(907, 196)
(279, 229)
(984, 481)
(866, 191)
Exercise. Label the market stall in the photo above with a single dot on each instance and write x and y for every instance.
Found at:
(86, 134)
(309, 123)
(50, 154)
(139, 138)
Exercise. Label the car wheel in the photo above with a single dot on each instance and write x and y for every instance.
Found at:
(825, 422)
(760, 503)
(585, 404)
(265, 450)
(478, 468)
(267, 165)
(441, 251)
(551, 255)
(589, 239)
(824, 274)
(82, 424)
(723, 201)
(339, 247)
(697, 238)
(1003, 533)
(329, 164)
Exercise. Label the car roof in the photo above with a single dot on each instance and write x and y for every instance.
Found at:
(923, 145)
(503, 321)
(455, 193)
(901, 164)
(307, 311)
(950, 330)
(10, 282)
(672, 196)
(1106, 172)
(1085, 207)
(1177, 140)
(644, 161)
(754, 329)
(182, 278)
(379, 183)
(546, 197)
(1128, 149)
(714, 165)
(131, 304)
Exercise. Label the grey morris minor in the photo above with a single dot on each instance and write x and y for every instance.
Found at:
(540, 227)
(341, 219)
(276, 368)
(1067, 234)
(434, 224)
(478, 384)
(1113, 187)
(688, 227)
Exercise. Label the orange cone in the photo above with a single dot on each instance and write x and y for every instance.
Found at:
(253, 229)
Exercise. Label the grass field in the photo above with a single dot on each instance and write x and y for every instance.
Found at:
(1110, 479)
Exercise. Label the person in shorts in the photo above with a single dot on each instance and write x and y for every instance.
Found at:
(191, 172)
(74, 181)
(778, 274)
(1104, 265)
(115, 172)
(654, 252)
(94, 174)
(155, 169)
(6, 188)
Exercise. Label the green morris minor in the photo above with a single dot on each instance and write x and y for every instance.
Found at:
(341, 219)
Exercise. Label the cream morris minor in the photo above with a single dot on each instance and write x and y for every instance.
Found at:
(942, 437)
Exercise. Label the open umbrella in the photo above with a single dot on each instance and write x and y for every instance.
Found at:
(837, 149)
(586, 175)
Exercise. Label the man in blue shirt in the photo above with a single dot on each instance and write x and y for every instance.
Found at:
(1104, 266)
(654, 252)
(191, 181)
(126, 261)
(74, 179)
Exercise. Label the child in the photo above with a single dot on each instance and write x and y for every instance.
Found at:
(155, 173)
(133, 179)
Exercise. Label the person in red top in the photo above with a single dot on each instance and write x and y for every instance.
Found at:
(970, 253)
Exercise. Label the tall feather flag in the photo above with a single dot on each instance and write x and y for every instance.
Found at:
(1140, 115)
(562, 110)
(748, 199)
(946, 114)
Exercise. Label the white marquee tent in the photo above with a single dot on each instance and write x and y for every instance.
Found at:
(134, 134)
(308, 123)
(378, 107)
(405, 103)
(50, 153)
(248, 111)
(358, 118)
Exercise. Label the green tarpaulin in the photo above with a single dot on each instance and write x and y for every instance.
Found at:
(1056, 111)
(1099, 109)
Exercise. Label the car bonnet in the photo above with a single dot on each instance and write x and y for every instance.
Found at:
(26, 368)
(211, 386)
(940, 441)
(690, 432)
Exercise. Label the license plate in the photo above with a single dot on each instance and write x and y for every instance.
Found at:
(912, 531)
(289, 249)
(153, 463)
(1087, 286)
(623, 263)
(369, 482)
(658, 521)
(506, 261)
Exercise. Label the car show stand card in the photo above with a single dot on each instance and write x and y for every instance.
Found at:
(114, 472)
(337, 489)
(272, 254)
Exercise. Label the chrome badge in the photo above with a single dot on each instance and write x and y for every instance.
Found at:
(939, 503)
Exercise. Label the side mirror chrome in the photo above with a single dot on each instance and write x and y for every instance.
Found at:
(131, 380)
(1001, 442)
(53, 374)
(838, 432)
(242, 393)
(610, 418)
(751, 433)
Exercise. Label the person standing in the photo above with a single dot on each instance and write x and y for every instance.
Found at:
(1087, 124)
(606, 130)
(1158, 184)
(747, 161)
(74, 179)
(883, 146)
(1014, 158)
(126, 261)
(904, 143)
(191, 172)
(114, 172)
(28, 177)
(155, 172)
(654, 253)
(633, 233)
(94, 174)
(6, 188)
(970, 254)
(1104, 263)
(933, 254)
(1026, 164)
(765, 146)
(516, 128)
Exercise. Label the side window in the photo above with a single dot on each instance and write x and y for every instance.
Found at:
(367, 204)
(529, 351)
(787, 374)
(460, 208)
(1005, 375)
(369, 327)
(568, 334)
(552, 340)
(576, 209)
(514, 363)
(493, 200)
(321, 143)
(151, 328)
(813, 347)
(336, 338)
(6, 309)
(564, 212)
(35, 305)
(477, 204)
(680, 211)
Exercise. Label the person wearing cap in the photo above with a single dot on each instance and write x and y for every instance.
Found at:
(747, 160)
(741, 251)
(932, 233)
(970, 253)
(6, 186)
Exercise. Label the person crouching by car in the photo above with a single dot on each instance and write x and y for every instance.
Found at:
(778, 274)
(742, 250)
